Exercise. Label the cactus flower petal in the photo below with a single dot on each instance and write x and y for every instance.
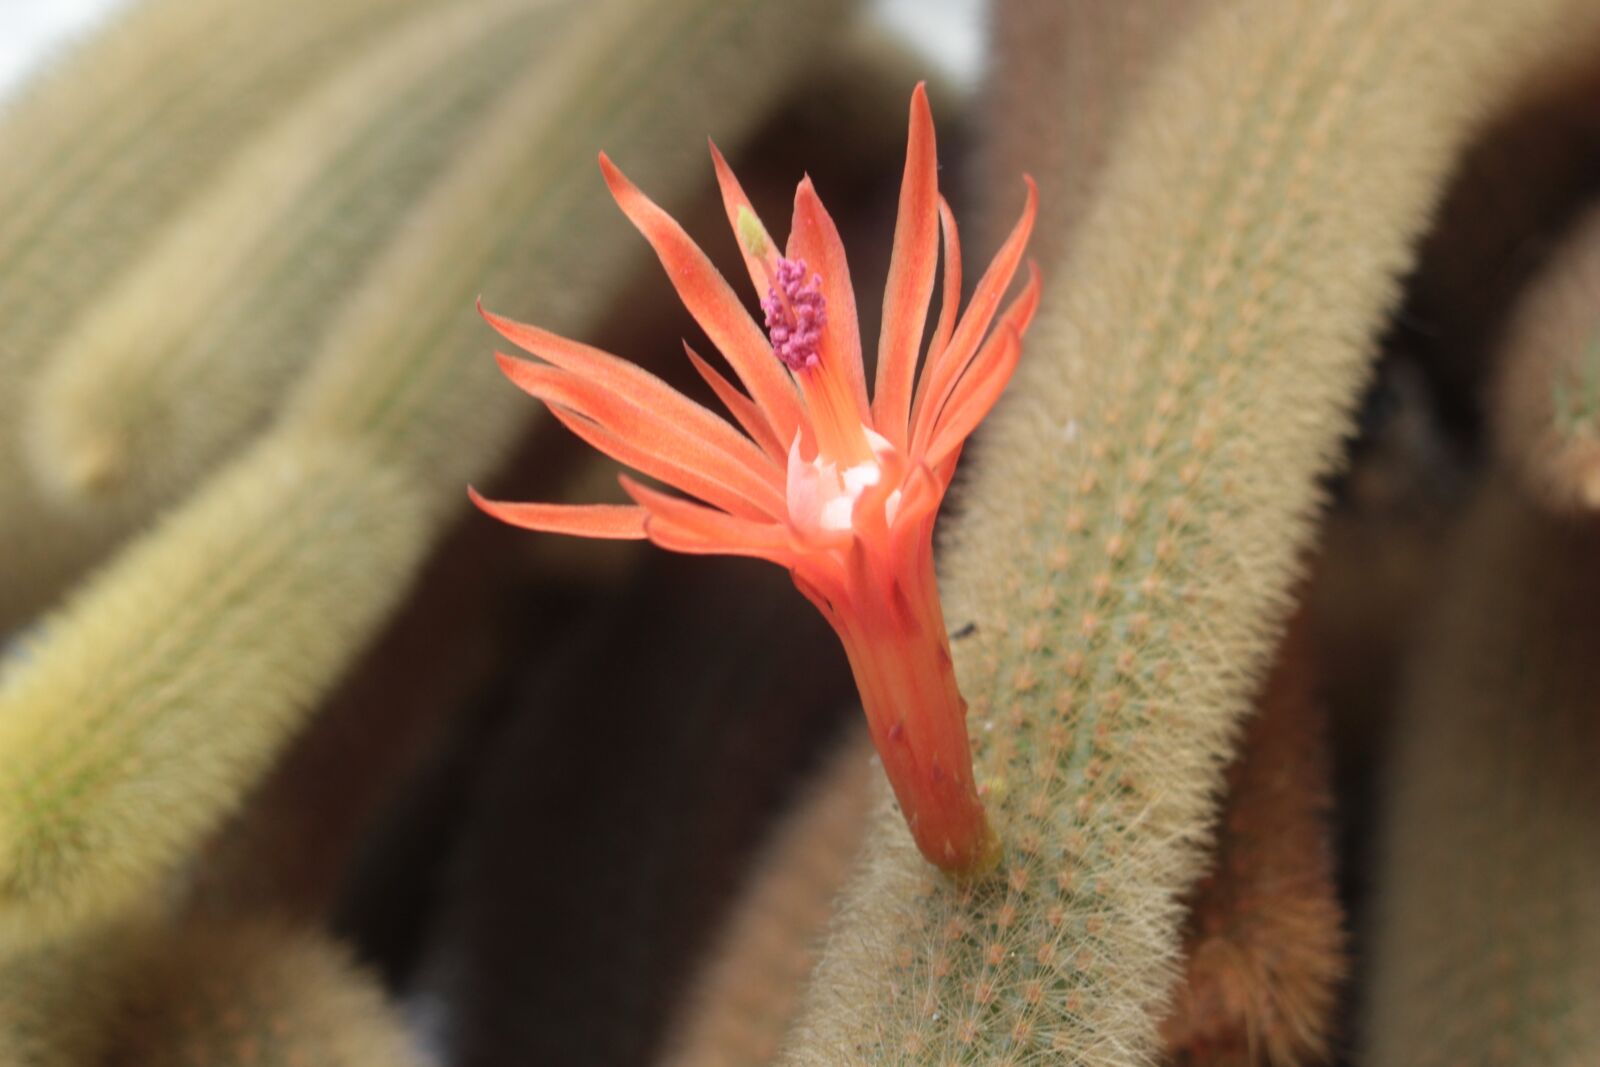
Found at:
(839, 489)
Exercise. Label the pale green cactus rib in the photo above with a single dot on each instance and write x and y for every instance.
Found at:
(1486, 937)
(135, 721)
(142, 712)
(98, 156)
(1133, 520)
(1546, 399)
(168, 371)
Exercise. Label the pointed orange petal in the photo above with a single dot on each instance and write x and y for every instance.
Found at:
(623, 522)
(733, 201)
(646, 429)
(945, 365)
(629, 381)
(951, 378)
(713, 304)
(747, 414)
(635, 451)
(911, 272)
(952, 284)
(968, 408)
(683, 526)
(814, 238)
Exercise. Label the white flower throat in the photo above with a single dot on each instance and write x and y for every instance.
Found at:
(822, 497)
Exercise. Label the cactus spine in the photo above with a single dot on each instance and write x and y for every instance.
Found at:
(1135, 515)
(1486, 941)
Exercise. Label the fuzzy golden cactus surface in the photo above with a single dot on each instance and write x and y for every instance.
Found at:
(1134, 518)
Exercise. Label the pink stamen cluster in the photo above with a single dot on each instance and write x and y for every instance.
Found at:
(796, 311)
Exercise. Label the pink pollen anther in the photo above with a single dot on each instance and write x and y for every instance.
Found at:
(796, 312)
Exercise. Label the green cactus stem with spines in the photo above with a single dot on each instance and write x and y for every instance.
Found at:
(1486, 934)
(1134, 518)
(135, 721)
(1546, 398)
(142, 714)
(101, 152)
(173, 367)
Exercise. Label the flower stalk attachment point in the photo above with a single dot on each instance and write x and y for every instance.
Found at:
(840, 490)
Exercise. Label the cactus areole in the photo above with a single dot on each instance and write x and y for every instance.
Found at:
(840, 490)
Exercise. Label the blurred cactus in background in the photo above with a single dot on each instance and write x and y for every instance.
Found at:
(138, 716)
(302, 764)
(1487, 936)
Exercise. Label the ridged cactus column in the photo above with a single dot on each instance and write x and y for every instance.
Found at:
(1486, 943)
(1134, 518)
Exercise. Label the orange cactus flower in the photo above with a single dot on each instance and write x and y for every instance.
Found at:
(841, 491)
